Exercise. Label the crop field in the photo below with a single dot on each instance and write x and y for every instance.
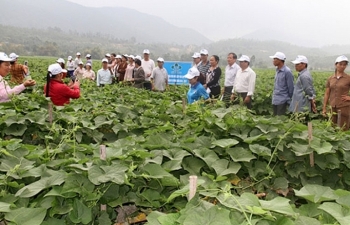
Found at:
(252, 168)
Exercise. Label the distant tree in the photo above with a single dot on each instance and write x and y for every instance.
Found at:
(252, 61)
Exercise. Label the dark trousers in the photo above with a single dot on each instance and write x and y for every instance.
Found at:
(215, 92)
(147, 85)
(227, 95)
(344, 117)
(279, 110)
(240, 97)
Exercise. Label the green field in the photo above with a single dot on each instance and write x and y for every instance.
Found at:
(252, 168)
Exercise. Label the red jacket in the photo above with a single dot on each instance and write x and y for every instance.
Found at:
(61, 93)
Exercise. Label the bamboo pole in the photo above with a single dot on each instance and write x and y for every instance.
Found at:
(103, 156)
(193, 187)
(312, 157)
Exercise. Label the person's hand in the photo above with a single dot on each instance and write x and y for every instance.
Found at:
(324, 112)
(313, 106)
(76, 84)
(345, 98)
(233, 97)
(29, 83)
(148, 75)
(205, 86)
(247, 100)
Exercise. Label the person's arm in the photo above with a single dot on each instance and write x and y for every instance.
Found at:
(203, 93)
(5, 94)
(326, 97)
(75, 72)
(25, 69)
(308, 87)
(73, 92)
(98, 79)
(290, 83)
(93, 75)
(152, 78)
(251, 85)
(166, 78)
(216, 77)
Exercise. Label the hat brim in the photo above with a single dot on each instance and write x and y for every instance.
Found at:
(189, 76)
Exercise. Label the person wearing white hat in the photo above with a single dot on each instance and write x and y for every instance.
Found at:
(18, 71)
(304, 94)
(148, 65)
(77, 60)
(197, 91)
(122, 67)
(6, 92)
(337, 94)
(244, 82)
(88, 59)
(284, 85)
(104, 75)
(130, 68)
(203, 66)
(230, 75)
(196, 59)
(59, 93)
(88, 72)
(70, 66)
(78, 72)
(159, 77)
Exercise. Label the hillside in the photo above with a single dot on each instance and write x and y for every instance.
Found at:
(121, 23)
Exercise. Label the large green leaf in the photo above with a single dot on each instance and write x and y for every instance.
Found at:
(213, 216)
(4, 207)
(240, 154)
(26, 216)
(303, 220)
(278, 204)
(223, 167)
(80, 213)
(225, 143)
(337, 211)
(103, 174)
(260, 150)
(316, 193)
(321, 146)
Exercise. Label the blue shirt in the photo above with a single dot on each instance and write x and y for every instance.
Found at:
(303, 92)
(284, 86)
(196, 92)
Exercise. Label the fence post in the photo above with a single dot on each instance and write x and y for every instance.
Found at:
(193, 187)
(103, 156)
(50, 112)
(312, 159)
(183, 105)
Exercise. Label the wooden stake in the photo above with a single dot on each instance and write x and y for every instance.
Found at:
(193, 187)
(312, 157)
(103, 156)
(50, 112)
(183, 105)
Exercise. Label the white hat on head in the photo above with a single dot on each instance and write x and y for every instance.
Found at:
(88, 56)
(118, 56)
(196, 55)
(300, 59)
(160, 59)
(138, 57)
(108, 55)
(244, 58)
(4, 57)
(204, 52)
(70, 57)
(131, 56)
(341, 59)
(126, 55)
(60, 60)
(105, 60)
(78, 53)
(80, 63)
(192, 73)
(13, 55)
(88, 64)
(146, 51)
(279, 55)
(55, 69)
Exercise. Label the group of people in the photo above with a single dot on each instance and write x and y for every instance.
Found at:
(204, 79)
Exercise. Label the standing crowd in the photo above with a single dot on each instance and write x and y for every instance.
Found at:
(204, 80)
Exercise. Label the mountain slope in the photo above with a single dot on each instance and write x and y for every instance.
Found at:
(119, 22)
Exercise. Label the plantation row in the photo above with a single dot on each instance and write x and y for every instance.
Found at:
(252, 169)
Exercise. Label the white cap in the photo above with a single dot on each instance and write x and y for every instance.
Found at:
(64, 71)
(244, 58)
(105, 60)
(118, 56)
(108, 55)
(55, 69)
(196, 55)
(4, 57)
(126, 55)
(279, 55)
(131, 56)
(78, 53)
(88, 64)
(138, 57)
(300, 59)
(160, 59)
(204, 52)
(146, 51)
(70, 57)
(341, 59)
(13, 55)
(60, 60)
(88, 56)
(193, 72)
(80, 63)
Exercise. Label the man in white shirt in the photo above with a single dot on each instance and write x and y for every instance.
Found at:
(244, 83)
(104, 75)
(148, 65)
(196, 59)
(230, 75)
(159, 77)
(77, 60)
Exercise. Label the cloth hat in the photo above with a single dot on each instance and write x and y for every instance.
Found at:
(108, 55)
(118, 56)
(279, 55)
(105, 60)
(78, 53)
(204, 52)
(70, 57)
(4, 57)
(196, 55)
(244, 58)
(88, 56)
(146, 51)
(60, 60)
(64, 71)
(160, 59)
(80, 63)
(55, 69)
(192, 73)
(341, 59)
(88, 64)
(126, 55)
(13, 55)
(300, 59)
(131, 56)
(138, 57)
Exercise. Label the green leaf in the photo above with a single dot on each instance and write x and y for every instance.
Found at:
(225, 143)
(5, 207)
(260, 150)
(316, 193)
(300, 149)
(103, 174)
(156, 171)
(213, 216)
(16, 129)
(168, 219)
(343, 197)
(80, 213)
(208, 156)
(321, 146)
(26, 216)
(278, 204)
(280, 183)
(303, 220)
(104, 219)
(240, 154)
(223, 167)
(337, 211)
(54, 221)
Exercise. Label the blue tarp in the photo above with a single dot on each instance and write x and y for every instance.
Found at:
(177, 71)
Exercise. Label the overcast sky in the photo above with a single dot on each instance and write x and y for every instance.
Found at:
(320, 22)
